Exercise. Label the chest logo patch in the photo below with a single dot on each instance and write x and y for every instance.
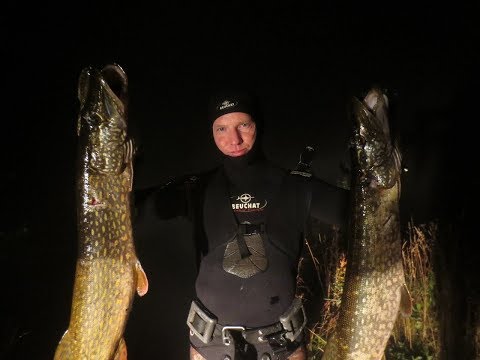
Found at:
(245, 203)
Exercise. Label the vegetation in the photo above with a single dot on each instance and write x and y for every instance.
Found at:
(322, 271)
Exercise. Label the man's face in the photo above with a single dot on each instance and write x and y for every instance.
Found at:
(234, 133)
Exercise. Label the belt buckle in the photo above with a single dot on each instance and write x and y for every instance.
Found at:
(210, 323)
(287, 320)
(225, 338)
(248, 229)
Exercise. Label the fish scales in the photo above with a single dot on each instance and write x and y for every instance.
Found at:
(108, 271)
(374, 289)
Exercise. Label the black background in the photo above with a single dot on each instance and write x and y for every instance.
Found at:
(305, 61)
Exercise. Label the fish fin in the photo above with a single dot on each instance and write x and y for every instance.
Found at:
(63, 350)
(121, 352)
(142, 280)
(129, 153)
(406, 302)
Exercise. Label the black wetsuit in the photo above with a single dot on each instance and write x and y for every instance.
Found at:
(250, 189)
(257, 193)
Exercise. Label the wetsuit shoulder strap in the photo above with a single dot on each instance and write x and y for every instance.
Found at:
(303, 170)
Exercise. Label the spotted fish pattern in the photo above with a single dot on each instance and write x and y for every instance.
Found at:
(108, 271)
(374, 291)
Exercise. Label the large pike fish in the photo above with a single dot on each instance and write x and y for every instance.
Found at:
(374, 291)
(107, 272)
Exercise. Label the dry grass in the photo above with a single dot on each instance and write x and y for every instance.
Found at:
(419, 334)
(322, 269)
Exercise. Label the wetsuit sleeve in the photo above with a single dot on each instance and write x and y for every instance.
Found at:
(152, 209)
(329, 203)
(170, 210)
(162, 202)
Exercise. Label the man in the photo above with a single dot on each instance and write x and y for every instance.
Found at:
(249, 217)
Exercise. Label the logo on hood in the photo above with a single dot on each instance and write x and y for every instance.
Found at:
(227, 104)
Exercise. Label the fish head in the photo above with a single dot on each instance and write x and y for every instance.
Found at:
(374, 155)
(102, 120)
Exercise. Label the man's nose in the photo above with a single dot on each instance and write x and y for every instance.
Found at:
(235, 137)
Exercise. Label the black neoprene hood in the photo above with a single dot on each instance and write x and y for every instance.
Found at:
(230, 101)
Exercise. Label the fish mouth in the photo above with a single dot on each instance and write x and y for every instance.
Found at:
(117, 81)
(377, 104)
(370, 115)
(375, 99)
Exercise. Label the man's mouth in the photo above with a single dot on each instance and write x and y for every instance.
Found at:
(238, 152)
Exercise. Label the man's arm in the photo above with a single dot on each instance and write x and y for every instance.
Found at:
(329, 202)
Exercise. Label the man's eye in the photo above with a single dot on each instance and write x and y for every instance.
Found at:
(220, 129)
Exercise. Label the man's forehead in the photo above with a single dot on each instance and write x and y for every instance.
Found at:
(232, 118)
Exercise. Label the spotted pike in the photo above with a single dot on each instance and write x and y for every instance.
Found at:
(374, 291)
(107, 272)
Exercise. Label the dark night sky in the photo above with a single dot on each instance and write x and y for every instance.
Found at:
(305, 63)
